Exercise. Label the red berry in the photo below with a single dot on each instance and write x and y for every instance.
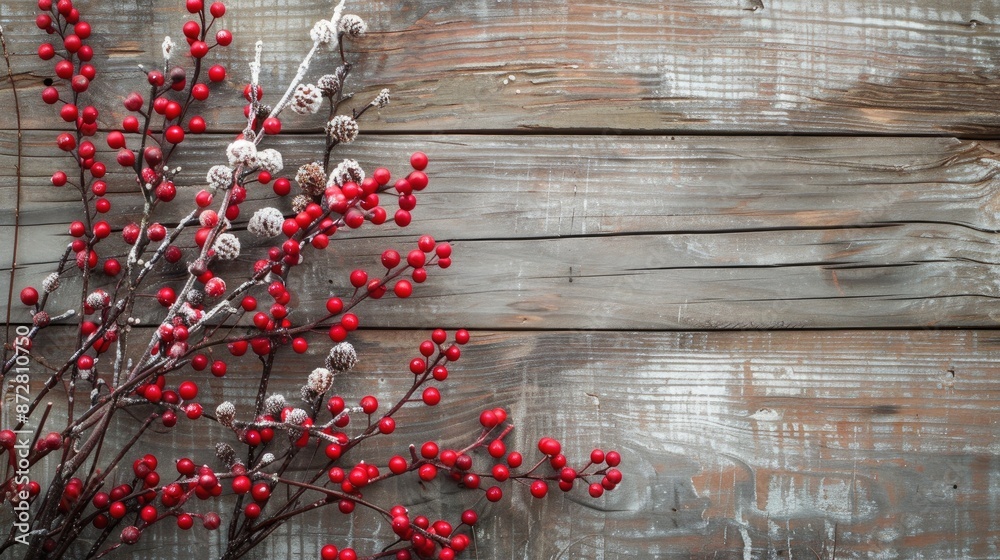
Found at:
(80, 83)
(29, 296)
(488, 419)
(197, 125)
(224, 37)
(217, 73)
(390, 258)
(515, 459)
(427, 472)
(429, 450)
(494, 494)
(418, 161)
(402, 218)
(261, 492)
(133, 101)
(613, 458)
(68, 112)
(282, 187)
(195, 6)
(539, 488)
(386, 425)
(66, 142)
(117, 510)
(188, 390)
(272, 125)
(431, 396)
(549, 446)
(417, 366)
(369, 404)
(64, 69)
(218, 9)
(50, 95)
(418, 180)
(200, 92)
(193, 411)
(174, 134)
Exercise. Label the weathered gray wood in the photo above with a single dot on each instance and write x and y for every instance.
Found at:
(651, 233)
(869, 66)
(769, 444)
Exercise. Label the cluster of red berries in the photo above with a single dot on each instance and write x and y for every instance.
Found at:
(260, 321)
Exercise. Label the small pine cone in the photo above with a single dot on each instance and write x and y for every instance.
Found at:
(296, 417)
(299, 203)
(195, 297)
(225, 453)
(353, 26)
(263, 110)
(41, 319)
(329, 85)
(225, 413)
(347, 171)
(307, 99)
(265, 460)
(274, 404)
(306, 393)
(311, 178)
(220, 177)
(227, 247)
(51, 283)
(342, 129)
(270, 160)
(320, 380)
(322, 32)
(242, 152)
(98, 299)
(342, 358)
(382, 99)
(266, 222)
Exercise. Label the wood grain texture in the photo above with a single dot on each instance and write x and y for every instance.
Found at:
(776, 66)
(735, 444)
(645, 232)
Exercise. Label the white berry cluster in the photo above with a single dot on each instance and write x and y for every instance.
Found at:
(266, 222)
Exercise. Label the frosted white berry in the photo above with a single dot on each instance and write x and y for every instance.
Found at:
(353, 25)
(266, 222)
(347, 171)
(320, 380)
(323, 32)
(342, 129)
(51, 283)
(270, 160)
(342, 357)
(242, 152)
(306, 99)
(225, 413)
(227, 247)
(220, 177)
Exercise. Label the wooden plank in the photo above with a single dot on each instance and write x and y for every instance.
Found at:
(736, 444)
(858, 66)
(649, 233)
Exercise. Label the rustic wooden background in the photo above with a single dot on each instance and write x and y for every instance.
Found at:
(748, 243)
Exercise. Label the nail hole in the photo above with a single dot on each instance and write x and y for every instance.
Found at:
(47, 81)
